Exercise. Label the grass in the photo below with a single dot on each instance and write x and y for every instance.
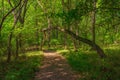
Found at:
(87, 63)
(23, 68)
(91, 67)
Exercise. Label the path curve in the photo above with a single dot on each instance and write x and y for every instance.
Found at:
(55, 67)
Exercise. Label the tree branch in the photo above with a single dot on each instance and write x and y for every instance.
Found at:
(5, 16)
(84, 40)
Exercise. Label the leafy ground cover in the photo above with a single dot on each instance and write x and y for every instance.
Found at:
(91, 67)
(23, 68)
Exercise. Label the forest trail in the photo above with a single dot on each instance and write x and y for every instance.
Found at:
(55, 67)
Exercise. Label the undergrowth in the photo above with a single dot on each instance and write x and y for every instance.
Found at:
(91, 67)
(23, 68)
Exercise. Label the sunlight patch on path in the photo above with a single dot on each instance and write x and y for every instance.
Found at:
(55, 67)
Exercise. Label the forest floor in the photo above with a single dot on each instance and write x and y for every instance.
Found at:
(55, 67)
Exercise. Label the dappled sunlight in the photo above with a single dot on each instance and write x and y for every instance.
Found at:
(23, 68)
(112, 47)
(91, 66)
(61, 51)
(55, 67)
(59, 39)
(34, 53)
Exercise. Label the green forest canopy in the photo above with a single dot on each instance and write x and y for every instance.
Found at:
(65, 26)
(22, 22)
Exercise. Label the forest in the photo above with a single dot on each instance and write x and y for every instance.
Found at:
(59, 39)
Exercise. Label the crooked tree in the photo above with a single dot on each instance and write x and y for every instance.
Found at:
(84, 40)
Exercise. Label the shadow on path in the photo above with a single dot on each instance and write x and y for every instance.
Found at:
(55, 67)
(49, 51)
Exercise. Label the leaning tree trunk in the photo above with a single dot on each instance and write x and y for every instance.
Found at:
(89, 42)
(84, 40)
(7, 14)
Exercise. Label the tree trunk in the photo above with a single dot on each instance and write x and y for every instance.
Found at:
(49, 33)
(91, 43)
(94, 21)
(7, 14)
(37, 30)
(84, 40)
(17, 48)
(76, 43)
(16, 16)
(22, 12)
(9, 47)
(65, 36)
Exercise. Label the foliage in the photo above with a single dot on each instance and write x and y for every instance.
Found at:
(91, 67)
(24, 68)
(76, 15)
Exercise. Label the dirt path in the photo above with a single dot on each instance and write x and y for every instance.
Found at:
(55, 67)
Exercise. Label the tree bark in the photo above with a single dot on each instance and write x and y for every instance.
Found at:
(16, 16)
(22, 12)
(37, 29)
(5, 16)
(17, 48)
(94, 21)
(84, 40)
(9, 47)
(49, 33)
(65, 36)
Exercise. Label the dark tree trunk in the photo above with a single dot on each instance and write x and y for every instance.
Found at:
(84, 40)
(41, 43)
(9, 47)
(22, 12)
(91, 43)
(42, 40)
(94, 21)
(76, 28)
(49, 33)
(6, 15)
(75, 44)
(37, 30)
(16, 15)
(65, 36)
(73, 39)
(17, 48)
